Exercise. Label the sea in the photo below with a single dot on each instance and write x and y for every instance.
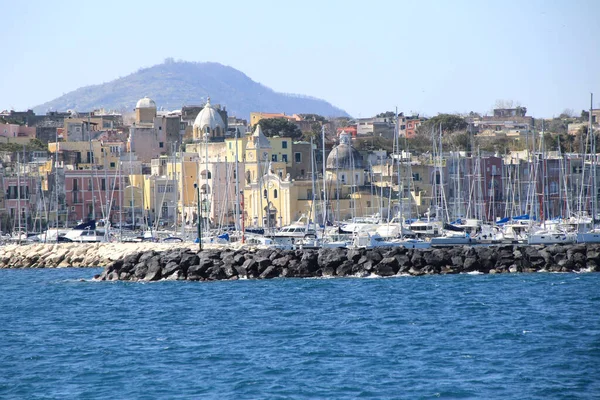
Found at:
(513, 336)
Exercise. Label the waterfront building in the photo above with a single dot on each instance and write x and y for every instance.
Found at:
(17, 131)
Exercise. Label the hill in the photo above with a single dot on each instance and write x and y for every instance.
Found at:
(175, 84)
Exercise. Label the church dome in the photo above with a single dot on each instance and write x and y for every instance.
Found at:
(344, 156)
(209, 117)
(146, 102)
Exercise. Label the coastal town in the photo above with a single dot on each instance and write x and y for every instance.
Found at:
(194, 172)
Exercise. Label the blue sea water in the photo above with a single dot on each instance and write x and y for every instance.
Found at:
(518, 336)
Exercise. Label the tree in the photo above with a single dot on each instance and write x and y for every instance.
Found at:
(314, 133)
(387, 114)
(313, 117)
(374, 143)
(456, 141)
(279, 127)
(449, 123)
(341, 122)
(567, 113)
(585, 115)
(555, 125)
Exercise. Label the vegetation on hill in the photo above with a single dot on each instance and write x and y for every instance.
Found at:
(175, 84)
(279, 127)
(33, 145)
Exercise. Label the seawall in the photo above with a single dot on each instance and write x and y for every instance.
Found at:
(213, 264)
(65, 255)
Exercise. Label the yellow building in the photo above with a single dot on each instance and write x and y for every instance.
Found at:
(85, 155)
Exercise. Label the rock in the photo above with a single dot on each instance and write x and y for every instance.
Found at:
(471, 264)
(239, 259)
(188, 259)
(140, 270)
(269, 272)
(331, 258)
(345, 269)
(262, 264)
(388, 266)
(282, 261)
(354, 255)
(170, 268)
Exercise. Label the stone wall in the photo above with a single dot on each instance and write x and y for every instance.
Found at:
(213, 264)
(64, 255)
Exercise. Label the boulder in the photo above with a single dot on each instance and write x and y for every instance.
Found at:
(388, 266)
(269, 272)
(170, 268)
(153, 272)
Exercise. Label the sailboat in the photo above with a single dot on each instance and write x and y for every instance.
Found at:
(592, 235)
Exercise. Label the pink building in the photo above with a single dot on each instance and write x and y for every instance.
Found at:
(87, 190)
(14, 130)
(20, 194)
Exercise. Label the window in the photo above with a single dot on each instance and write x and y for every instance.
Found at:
(298, 157)
(309, 194)
(275, 193)
(112, 164)
(90, 157)
(274, 157)
(75, 185)
(343, 178)
(284, 144)
(165, 188)
(103, 184)
(265, 193)
(368, 203)
(161, 144)
(301, 172)
(284, 158)
(229, 145)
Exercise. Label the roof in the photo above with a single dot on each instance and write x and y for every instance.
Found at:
(146, 102)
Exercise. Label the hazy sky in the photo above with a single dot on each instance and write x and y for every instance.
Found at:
(363, 56)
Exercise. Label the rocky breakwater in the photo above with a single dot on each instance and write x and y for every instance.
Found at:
(187, 264)
(65, 255)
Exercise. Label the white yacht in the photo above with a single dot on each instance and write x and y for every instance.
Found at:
(551, 236)
(451, 238)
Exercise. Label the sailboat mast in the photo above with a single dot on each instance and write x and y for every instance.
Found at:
(312, 173)
(19, 195)
(130, 180)
(594, 162)
(91, 158)
(400, 186)
(324, 177)
(237, 184)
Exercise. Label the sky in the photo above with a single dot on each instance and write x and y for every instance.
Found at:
(365, 57)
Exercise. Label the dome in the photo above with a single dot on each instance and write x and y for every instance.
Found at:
(146, 102)
(208, 117)
(344, 156)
